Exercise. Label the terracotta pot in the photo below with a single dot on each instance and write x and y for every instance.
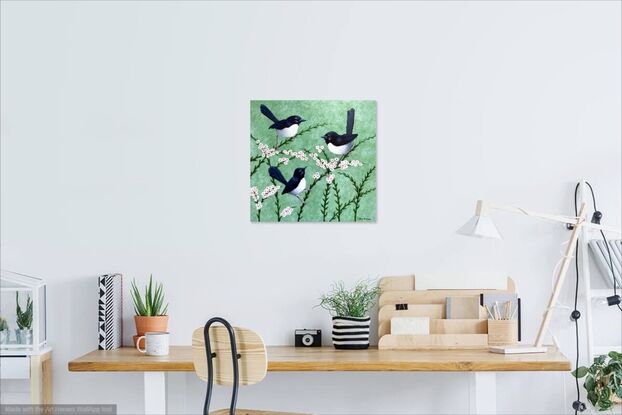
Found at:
(145, 324)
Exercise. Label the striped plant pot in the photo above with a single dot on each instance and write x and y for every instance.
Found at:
(351, 332)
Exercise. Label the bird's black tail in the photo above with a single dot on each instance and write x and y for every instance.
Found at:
(276, 174)
(266, 111)
(350, 124)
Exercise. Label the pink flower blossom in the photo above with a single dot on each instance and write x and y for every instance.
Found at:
(316, 176)
(269, 191)
(255, 193)
(258, 205)
(286, 212)
(284, 160)
(330, 178)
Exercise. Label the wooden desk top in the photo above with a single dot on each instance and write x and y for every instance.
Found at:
(325, 359)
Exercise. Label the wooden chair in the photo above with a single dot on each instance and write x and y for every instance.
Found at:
(232, 357)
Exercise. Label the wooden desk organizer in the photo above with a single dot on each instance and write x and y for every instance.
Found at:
(400, 298)
(502, 332)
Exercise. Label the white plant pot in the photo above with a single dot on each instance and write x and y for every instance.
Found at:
(4, 336)
(23, 336)
(351, 332)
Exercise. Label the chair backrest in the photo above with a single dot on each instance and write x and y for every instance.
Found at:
(253, 360)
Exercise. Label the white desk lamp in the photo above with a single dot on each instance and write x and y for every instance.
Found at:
(482, 226)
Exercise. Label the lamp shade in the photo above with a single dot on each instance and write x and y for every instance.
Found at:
(480, 227)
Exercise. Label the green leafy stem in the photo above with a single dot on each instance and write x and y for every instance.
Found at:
(360, 192)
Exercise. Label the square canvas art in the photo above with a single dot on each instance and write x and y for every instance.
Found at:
(313, 161)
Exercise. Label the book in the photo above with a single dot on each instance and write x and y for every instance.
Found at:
(110, 311)
(462, 307)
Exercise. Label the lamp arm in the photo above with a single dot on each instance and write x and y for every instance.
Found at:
(528, 212)
(557, 218)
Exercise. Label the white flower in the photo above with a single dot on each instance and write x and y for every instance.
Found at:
(266, 150)
(343, 164)
(319, 148)
(258, 205)
(355, 163)
(269, 191)
(286, 212)
(284, 160)
(300, 155)
(255, 193)
(330, 178)
(316, 176)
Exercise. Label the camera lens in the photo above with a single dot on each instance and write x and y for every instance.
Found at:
(307, 340)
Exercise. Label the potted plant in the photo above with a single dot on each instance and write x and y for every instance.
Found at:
(150, 309)
(603, 380)
(4, 331)
(350, 309)
(23, 333)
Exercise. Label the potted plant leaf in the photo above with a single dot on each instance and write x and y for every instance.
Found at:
(603, 380)
(4, 331)
(350, 311)
(150, 309)
(23, 333)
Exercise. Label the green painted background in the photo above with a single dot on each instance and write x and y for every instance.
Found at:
(352, 195)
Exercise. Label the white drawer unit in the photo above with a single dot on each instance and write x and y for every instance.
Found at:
(15, 367)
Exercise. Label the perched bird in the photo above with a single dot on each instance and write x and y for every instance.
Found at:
(286, 128)
(341, 144)
(293, 186)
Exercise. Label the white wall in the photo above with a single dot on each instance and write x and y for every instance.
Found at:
(125, 149)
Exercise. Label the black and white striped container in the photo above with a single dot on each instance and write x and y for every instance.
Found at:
(351, 332)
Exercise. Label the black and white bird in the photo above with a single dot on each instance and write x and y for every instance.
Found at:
(293, 186)
(286, 128)
(341, 144)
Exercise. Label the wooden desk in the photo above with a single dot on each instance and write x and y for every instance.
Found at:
(480, 364)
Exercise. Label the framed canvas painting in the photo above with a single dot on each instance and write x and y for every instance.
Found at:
(313, 161)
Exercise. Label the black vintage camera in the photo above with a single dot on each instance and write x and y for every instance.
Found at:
(308, 338)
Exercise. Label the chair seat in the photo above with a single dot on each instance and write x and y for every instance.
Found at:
(240, 411)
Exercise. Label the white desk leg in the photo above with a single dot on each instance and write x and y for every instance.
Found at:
(155, 393)
(482, 393)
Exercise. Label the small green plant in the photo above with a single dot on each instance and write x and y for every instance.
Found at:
(351, 303)
(603, 380)
(3, 324)
(24, 318)
(152, 304)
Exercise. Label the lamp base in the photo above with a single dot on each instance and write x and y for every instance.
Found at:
(517, 349)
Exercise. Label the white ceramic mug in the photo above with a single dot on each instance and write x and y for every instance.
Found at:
(156, 343)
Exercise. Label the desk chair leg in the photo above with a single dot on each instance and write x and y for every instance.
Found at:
(155, 393)
(482, 393)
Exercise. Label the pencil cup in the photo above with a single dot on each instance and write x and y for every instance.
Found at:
(502, 332)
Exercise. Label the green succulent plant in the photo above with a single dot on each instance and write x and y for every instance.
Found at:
(3, 324)
(152, 304)
(603, 380)
(351, 303)
(24, 318)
